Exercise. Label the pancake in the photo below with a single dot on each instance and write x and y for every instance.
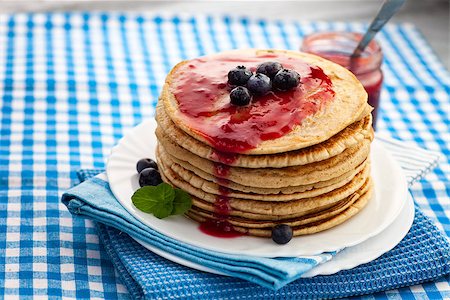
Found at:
(275, 207)
(273, 177)
(310, 228)
(291, 220)
(214, 211)
(352, 135)
(206, 178)
(348, 106)
(190, 179)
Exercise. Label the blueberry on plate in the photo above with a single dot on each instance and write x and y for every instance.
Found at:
(146, 163)
(259, 84)
(286, 79)
(269, 68)
(240, 96)
(149, 176)
(281, 234)
(239, 75)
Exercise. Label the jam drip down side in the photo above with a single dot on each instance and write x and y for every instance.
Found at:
(219, 226)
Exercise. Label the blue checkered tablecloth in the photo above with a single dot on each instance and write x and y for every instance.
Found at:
(72, 84)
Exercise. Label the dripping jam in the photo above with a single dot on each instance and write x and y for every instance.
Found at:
(202, 93)
(220, 226)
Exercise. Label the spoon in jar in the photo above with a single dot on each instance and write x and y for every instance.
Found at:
(389, 8)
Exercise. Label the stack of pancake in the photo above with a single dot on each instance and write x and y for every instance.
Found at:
(313, 178)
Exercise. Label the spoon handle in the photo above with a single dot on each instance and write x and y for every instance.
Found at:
(389, 8)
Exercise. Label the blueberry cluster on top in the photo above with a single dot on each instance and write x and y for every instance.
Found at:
(270, 76)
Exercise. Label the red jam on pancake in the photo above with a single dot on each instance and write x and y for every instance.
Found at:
(201, 90)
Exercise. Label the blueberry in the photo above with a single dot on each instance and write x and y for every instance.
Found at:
(146, 163)
(239, 75)
(240, 96)
(269, 68)
(282, 234)
(259, 84)
(286, 79)
(149, 176)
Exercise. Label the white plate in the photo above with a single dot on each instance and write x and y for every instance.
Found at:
(389, 197)
(348, 258)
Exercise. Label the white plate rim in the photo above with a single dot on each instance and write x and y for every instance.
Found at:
(119, 175)
(402, 224)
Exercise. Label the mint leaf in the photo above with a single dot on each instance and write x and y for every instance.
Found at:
(181, 203)
(162, 200)
(157, 200)
(163, 211)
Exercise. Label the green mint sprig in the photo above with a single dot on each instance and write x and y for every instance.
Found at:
(162, 200)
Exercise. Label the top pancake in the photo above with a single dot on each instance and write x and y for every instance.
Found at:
(348, 106)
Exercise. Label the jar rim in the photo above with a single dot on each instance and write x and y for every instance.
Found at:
(342, 43)
(372, 48)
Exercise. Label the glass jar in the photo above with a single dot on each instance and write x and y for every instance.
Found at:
(338, 47)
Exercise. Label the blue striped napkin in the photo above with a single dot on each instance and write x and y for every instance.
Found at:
(93, 199)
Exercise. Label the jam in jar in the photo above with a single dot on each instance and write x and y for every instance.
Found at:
(338, 47)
